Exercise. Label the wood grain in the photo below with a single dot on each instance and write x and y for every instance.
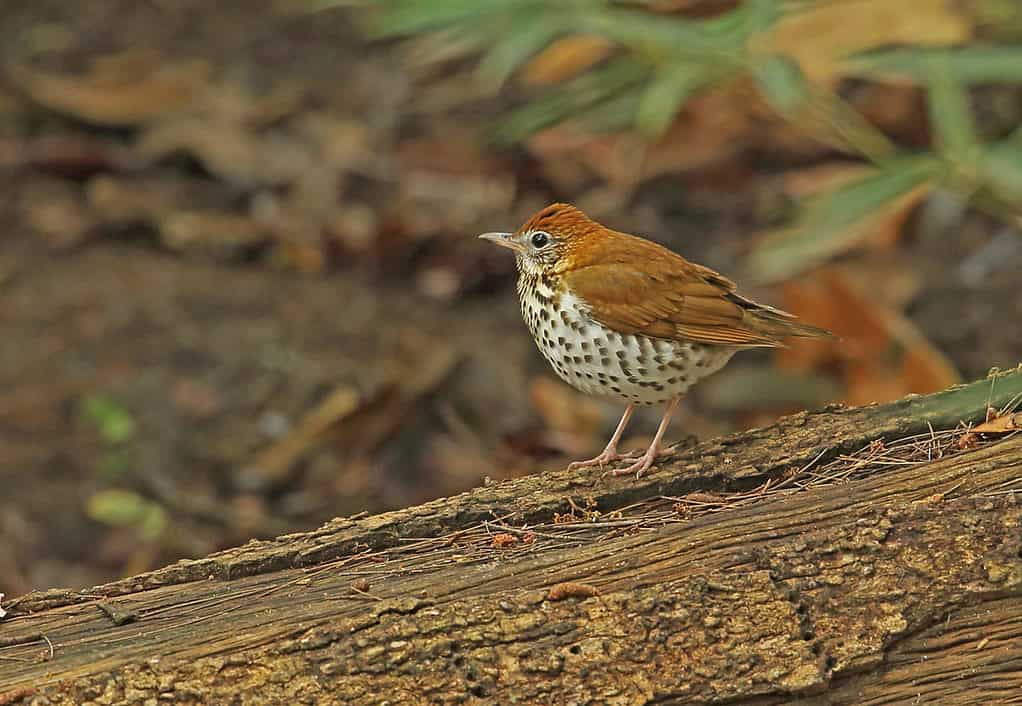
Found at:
(832, 595)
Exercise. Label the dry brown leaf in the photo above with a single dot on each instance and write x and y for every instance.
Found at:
(827, 299)
(883, 229)
(231, 101)
(802, 183)
(868, 382)
(710, 130)
(223, 236)
(56, 211)
(1002, 424)
(432, 202)
(716, 125)
(72, 155)
(185, 214)
(275, 462)
(231, 152)
(389, 404)
(888, 280)
(897, 110)
(340, 143)
(823, 34)
(503, 540)
(880, 353)
(617, 159)
(559, 154)
(112, 94)
(451, 153)
(120, 200)
(886, 228)
(924, 368)
(565, 58)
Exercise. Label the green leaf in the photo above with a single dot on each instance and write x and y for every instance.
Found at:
(966, 65)
(1002, 172)
(153, 522)
(114, 422)
(838, 123)
(614, 114)
(719, 39)
(666, 93)
(832, 222)
(117, 507)
(581, 94)
(783, 83)
(761, 15)
(522, 41)
(405, 17)
(949, 111)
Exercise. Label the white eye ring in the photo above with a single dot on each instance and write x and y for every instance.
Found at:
(539, 239)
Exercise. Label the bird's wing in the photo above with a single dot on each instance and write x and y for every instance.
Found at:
(636, 286)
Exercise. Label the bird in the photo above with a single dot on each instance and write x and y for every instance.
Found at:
(623, 317)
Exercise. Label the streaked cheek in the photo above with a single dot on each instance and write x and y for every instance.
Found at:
(531, 265)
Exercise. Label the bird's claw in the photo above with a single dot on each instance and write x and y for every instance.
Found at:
(639, 467)
(602, 460)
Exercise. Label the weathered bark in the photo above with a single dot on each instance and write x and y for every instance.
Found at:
(902, 583)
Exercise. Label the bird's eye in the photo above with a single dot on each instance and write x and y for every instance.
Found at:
(539, 239)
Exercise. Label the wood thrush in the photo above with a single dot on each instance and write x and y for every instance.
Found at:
(621, 316)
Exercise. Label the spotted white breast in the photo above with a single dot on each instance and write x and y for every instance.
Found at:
(597, 360)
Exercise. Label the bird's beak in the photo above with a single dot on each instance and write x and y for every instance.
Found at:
(503, 240)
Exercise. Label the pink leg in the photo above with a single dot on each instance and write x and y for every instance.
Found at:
(654, 450)
(609, 454)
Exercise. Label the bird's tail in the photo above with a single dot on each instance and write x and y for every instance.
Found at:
(777, 324)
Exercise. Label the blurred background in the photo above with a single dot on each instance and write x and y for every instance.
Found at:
(241, 293)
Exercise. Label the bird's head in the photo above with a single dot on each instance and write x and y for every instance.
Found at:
(548, 242)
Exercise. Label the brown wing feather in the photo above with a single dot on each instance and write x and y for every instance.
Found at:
(636, 286)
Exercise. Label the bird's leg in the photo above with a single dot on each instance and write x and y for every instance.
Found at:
(609, 454)
(654, 450)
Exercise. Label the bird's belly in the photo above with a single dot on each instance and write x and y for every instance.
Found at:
(634, 368)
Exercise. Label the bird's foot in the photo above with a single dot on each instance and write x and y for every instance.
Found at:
(642, 465)
(606, 457)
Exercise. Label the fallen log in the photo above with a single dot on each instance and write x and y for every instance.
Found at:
(847, 556)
